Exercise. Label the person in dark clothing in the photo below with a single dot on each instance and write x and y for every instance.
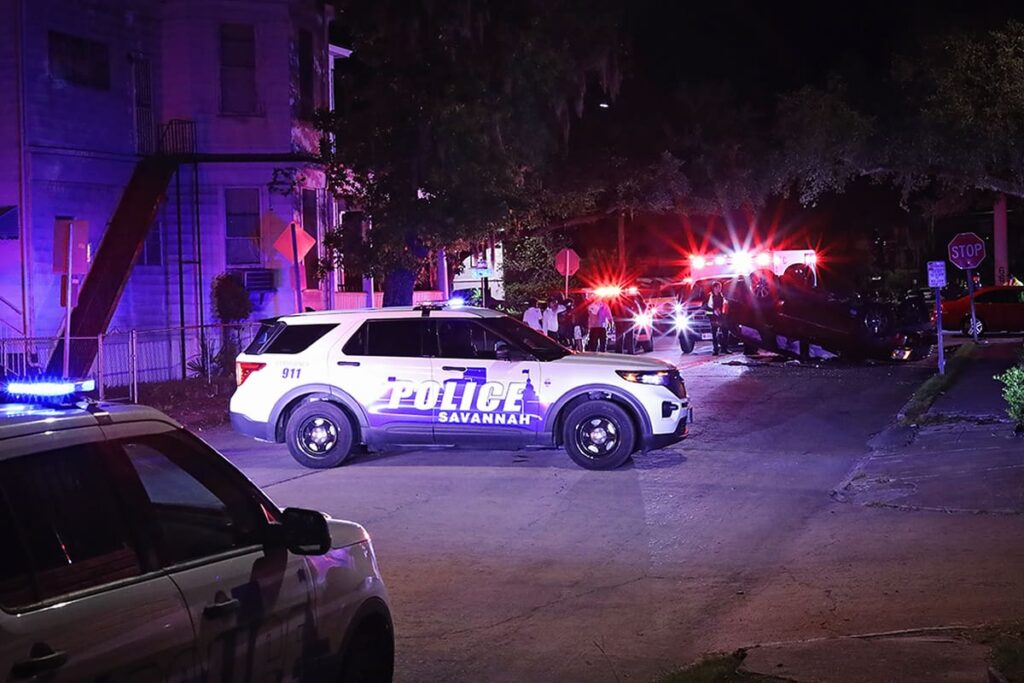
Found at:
(717, 308)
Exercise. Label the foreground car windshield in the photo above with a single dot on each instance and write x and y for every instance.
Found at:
(522, 335)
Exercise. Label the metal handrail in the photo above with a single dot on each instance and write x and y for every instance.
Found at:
(178, 137)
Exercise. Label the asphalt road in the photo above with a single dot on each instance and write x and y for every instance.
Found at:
(523, 567)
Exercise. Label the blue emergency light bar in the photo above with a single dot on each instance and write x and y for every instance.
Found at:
(49, 388)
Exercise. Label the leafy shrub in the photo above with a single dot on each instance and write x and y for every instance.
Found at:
(231, 301)
(1013, 393)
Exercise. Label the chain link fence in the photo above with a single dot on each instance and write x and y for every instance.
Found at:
(126, 359)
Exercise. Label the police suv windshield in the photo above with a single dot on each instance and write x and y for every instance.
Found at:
(521, 335)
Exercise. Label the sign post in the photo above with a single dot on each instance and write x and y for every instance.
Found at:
(67, 294)
(71, 260)
(294, 243)
(937, 280)
(967, 251)
(567, 262)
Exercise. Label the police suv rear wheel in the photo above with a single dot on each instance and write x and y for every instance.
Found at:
(319, 435)
(598, 435)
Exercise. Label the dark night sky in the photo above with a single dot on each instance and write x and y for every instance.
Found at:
(765, 47)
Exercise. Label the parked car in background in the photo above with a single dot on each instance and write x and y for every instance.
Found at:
(996, 309)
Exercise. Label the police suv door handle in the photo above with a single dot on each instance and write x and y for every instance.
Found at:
(453, 368)
(349, 363)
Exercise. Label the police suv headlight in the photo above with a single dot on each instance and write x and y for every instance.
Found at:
(652, 377)
(682, 322)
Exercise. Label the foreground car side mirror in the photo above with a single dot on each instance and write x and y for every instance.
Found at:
(305, 532)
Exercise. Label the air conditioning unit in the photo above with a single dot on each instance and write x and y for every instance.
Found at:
(259, 280)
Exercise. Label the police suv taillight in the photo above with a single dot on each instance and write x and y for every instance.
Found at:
(244, 369)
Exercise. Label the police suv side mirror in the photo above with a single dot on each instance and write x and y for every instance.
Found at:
(305, 532)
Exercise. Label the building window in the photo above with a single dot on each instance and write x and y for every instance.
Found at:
(152, 248)
(238, 69)
(242, 212)
(9, 223)
(307, 100)
(79, 61)
(311, 225)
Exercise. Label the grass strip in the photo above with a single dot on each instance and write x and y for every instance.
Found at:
(718, 668)
(926, 394)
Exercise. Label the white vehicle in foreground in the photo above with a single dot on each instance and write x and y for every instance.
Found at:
(326, 383)
(132, 551)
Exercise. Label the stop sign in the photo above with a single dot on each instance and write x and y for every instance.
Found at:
(567, 262)
(966, 250)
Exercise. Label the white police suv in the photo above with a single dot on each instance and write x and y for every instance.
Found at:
(132, 551)
(326, 383)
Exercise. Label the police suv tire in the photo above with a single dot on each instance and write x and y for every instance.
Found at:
(319, 435)
(598, 435)
(686, 343)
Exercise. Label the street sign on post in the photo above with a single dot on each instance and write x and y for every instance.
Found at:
(967, 251)
(937, 279)
(294, 243)
(567, 262)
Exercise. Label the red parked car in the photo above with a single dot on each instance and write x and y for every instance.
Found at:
(997, 309)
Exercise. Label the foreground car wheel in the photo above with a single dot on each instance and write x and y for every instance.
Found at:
(598, 435)
(370, 656)
(319, 435)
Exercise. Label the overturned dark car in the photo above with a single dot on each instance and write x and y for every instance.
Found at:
(792, 313)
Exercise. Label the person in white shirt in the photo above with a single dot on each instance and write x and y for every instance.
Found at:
(551, 318)
(533, 317)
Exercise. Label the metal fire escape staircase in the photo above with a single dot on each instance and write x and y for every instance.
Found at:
(120, 247)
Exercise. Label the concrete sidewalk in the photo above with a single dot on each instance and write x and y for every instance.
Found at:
(976, 394)
(922, 657)
(965, 457)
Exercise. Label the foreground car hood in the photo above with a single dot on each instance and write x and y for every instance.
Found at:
(344, 534)
(613, 361)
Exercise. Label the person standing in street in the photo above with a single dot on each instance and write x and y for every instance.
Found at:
(533, 317)
(717, 308)
(550, 318)
(598, 315)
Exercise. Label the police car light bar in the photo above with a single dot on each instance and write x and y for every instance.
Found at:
(50, 388)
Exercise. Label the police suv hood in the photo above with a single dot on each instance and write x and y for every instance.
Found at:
(612, 361)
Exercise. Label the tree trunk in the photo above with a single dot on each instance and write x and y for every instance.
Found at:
(398, 287)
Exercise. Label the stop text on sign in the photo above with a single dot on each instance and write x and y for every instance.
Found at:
(967, 252)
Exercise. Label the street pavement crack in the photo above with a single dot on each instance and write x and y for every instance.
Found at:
(534, 610)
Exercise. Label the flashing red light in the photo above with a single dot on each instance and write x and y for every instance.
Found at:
(743, 261)
(811, 259)
(698, 262)
(763, 260)
(607, 291)
(243, 370)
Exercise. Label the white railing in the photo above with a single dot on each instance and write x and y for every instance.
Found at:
(125, 359)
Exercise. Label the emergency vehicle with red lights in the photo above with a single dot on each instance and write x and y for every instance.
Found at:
(679, 306)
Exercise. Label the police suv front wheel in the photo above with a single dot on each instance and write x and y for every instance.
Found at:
(598, 435)
(319, 435)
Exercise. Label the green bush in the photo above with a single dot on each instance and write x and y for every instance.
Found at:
(1013, 393)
